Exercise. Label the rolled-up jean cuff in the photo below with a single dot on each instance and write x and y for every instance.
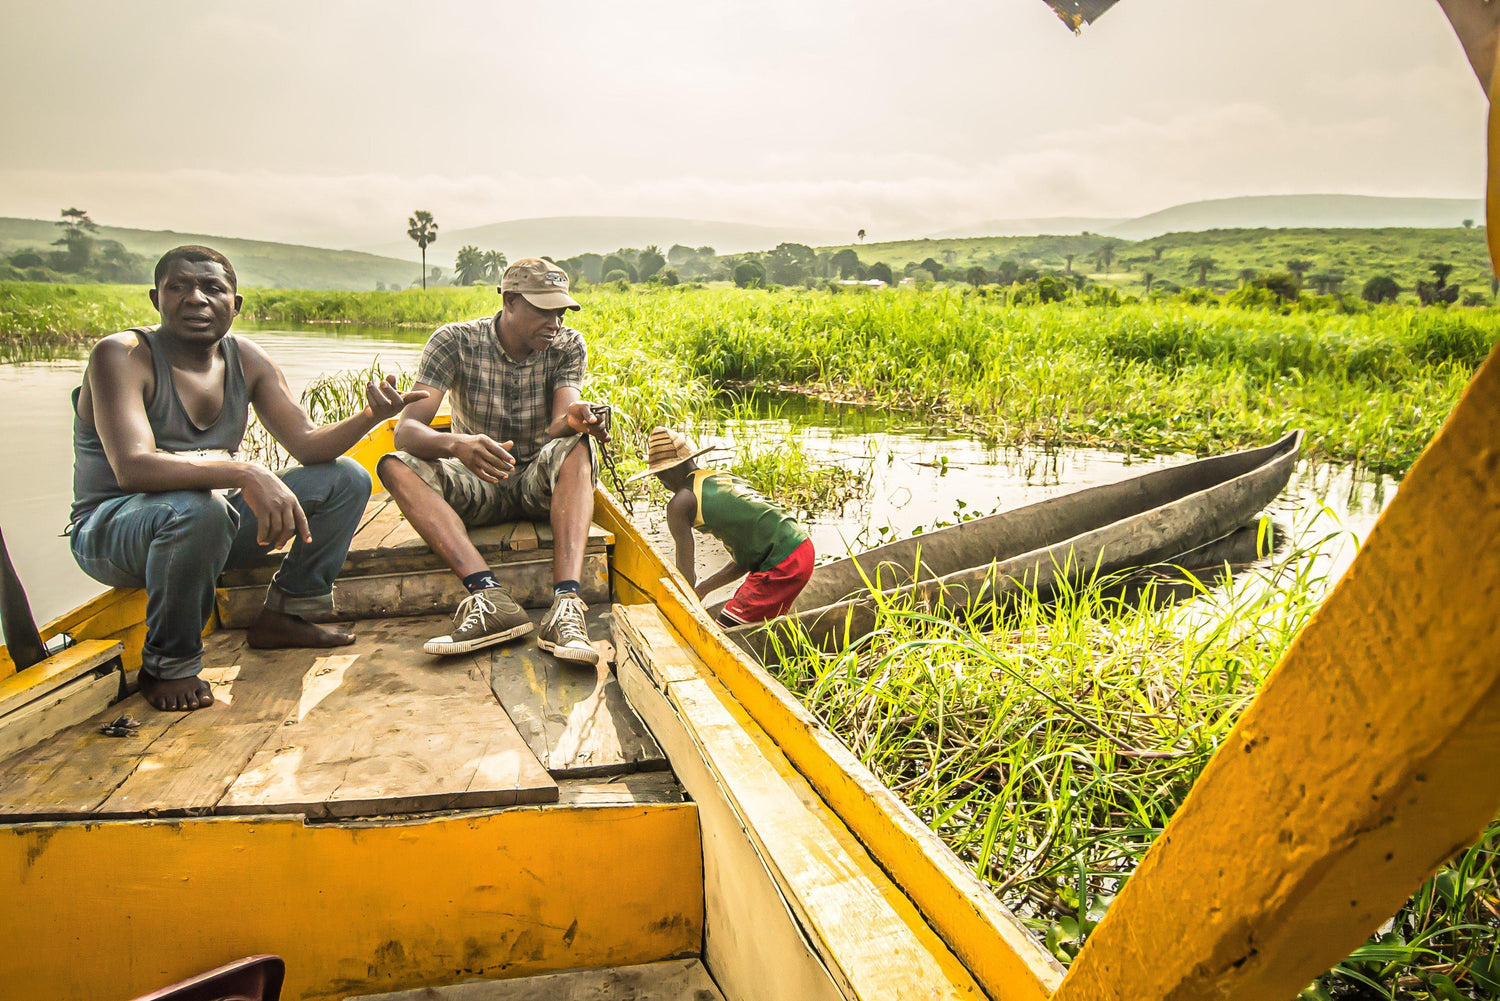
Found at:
(307, 606)
(170, 668)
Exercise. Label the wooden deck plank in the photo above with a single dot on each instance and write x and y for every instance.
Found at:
(524, 537)
(187, 770)
(72, 772)
(427, 592)
(574, 717)
(675, 980)
(386, 543)
(77, 771)
(400, 732)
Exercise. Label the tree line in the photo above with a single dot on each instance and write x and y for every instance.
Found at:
(82, 257)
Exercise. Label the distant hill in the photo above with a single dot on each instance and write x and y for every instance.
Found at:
(256, 262)
(1303, 212)
(1249, 212)
(1031, 227)
(565, 236)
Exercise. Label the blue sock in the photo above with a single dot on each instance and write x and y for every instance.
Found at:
(565, 587)
(477, 582)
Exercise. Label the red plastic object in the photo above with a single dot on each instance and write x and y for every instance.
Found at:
(255, 978)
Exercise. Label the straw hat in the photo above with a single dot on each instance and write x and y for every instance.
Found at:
(668, 449)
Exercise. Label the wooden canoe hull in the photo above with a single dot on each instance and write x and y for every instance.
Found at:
(1099, 530)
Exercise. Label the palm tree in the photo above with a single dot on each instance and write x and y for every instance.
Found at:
(1070, 262)
(469, 264)
(1299, 268)
(1203, 264)
(1247, 275)
(861, 235)
(1149, 279)
(494, 264)
(423, 230)
(1105, 255)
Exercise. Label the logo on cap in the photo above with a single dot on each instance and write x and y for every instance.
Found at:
(556, 278)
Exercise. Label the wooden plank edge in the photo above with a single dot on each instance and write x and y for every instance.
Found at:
(57, 670)
(998, 949)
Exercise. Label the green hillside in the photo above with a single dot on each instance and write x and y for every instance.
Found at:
(257, 262)
(1356, 254)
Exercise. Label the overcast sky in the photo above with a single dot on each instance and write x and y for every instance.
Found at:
(328, 122)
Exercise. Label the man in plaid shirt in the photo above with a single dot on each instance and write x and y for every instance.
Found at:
(521, 446)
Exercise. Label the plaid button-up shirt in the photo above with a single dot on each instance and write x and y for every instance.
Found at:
(491, 394)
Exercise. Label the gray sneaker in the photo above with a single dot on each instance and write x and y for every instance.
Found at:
(483, 619)
(564, 634)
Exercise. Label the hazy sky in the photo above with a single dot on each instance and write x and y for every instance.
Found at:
(328, 122)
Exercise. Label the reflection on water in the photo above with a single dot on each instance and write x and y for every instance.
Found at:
(918, 478)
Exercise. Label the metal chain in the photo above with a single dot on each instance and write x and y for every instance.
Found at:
(605, 414)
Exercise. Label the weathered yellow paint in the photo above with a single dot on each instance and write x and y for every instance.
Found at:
(1004, 959)
(1492, 183)
(133, 605)
(133, 906)
(382, 439)
(372, 446)
(60, 663)
(1366, 761)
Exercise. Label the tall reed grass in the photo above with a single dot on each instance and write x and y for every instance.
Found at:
(1370, 387)
(1049, 741)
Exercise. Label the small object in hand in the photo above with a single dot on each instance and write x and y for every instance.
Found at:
(122, 726)
(602, 413)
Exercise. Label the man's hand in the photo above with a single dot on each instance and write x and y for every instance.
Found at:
(488, 458)
(581, 418)
(384, 400)
(278, 516)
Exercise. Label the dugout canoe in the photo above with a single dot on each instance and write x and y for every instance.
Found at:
(1139, 521)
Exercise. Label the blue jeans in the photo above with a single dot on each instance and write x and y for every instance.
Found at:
(175, 545)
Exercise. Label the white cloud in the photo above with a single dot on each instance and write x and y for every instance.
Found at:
(330, 123)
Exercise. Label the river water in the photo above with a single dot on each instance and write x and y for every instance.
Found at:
(917, 478)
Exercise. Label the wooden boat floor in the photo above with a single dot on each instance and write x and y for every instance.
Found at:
(676, 980)
(378, 728)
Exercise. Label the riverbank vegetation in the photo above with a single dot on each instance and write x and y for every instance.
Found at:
(1049, 741)
(1192, 372)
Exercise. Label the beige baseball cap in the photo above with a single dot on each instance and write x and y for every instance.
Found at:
(544, 284)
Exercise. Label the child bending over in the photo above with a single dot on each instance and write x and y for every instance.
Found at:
(763, 540)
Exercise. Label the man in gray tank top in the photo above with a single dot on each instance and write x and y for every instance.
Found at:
(161, 502)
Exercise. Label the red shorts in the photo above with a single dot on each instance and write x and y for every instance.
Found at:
(767, 593)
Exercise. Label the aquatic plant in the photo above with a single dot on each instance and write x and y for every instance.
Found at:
(1048, 741)
(1370, 387)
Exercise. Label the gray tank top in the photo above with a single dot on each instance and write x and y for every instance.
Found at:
(94, 479)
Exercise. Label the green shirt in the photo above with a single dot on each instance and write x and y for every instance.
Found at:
(757, 532)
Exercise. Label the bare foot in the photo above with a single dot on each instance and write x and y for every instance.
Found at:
(271, 630)
(179, 696)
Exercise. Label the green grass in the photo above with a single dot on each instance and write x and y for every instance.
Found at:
(40, 321)
(1049, 742)
(1370, 386)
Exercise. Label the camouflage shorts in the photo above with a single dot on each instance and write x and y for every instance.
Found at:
(526, 493)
